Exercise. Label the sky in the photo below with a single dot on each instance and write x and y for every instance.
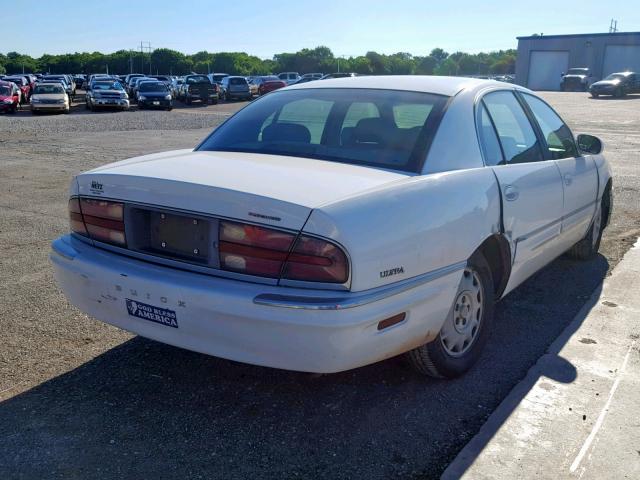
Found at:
(266, 27)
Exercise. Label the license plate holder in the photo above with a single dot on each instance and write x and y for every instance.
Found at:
(180, 236)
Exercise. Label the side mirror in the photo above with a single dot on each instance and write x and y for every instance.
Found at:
(589, 144)
(562, 74)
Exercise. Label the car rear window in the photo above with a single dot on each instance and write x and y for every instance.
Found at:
(237, 81)
(381, 128)
(197, 79)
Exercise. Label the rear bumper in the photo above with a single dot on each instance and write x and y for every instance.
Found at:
(227, 318)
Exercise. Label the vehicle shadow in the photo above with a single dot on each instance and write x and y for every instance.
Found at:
(144, 409)
(628, 96)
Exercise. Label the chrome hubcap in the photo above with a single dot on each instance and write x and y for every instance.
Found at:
(463, 323)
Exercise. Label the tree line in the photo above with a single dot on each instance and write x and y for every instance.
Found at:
(164, 61)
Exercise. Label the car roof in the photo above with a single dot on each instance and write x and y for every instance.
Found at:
(448, 86)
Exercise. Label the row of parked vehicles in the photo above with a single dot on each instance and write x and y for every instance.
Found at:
(43, 92)
(55, 92)
(616, 84)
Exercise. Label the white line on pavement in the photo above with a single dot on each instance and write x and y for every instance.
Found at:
(603, 413)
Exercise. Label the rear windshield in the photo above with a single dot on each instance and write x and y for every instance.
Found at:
(381, 128)
(237, 81)
(49, 88)
(4, 90)
(152, 87)
(197, 79)
(577, 71)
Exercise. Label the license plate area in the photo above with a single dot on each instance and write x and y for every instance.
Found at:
(172, 235)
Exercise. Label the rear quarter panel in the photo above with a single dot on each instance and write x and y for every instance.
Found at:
(419, 225)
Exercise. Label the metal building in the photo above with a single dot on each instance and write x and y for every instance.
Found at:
(542, 59)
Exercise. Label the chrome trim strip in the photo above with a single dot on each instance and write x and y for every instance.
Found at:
(551, 224)
(355, 299)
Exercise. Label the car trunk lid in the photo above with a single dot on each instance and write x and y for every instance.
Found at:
(269, 189)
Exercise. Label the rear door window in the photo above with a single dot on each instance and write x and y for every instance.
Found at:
(517, 137)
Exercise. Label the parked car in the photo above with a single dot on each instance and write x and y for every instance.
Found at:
(234, 88)
(575, 79)
(22, 84)
(163, 78)
(9, 97)
(127, 78)
(217, 77)
(269, 84)
(80, 81)
(616, 84)
(199, 88)
(359, 234)
(175, 86)
(154, 94)
(136, 85)
(329, 76)
(314, 76)
(62, 79)
(50, 97)
(110, 94)
(289, 77)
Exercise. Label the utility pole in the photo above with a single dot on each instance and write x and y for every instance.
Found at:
(145, 47)
(613, 26)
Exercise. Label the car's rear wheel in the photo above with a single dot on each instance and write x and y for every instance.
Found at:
(594, 95)
(465, 331)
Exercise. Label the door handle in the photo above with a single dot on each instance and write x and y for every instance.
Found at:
(511, 193)
(568, 179)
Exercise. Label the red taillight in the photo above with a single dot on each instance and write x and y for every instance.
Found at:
(316, 260)
(99, 220)
(253, 250)
(265, 252)
(76, 223)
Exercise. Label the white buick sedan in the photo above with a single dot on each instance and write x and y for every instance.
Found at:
(334, 224)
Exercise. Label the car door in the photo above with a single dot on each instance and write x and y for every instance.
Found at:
(579, 172)
(531, 187)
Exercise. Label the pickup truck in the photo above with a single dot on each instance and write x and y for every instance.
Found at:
(199, 87)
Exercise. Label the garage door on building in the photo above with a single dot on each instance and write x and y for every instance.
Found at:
(619, 58)
(546, 68)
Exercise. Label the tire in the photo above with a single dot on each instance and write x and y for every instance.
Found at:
(474, 298)
(619, 92)
(187, 100)
(594, 95)
(588, 247)
(169, 109)
(13, 109)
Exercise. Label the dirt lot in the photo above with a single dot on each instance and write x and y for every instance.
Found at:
(80, 399)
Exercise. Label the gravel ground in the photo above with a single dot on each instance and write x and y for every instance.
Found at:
(82, 399)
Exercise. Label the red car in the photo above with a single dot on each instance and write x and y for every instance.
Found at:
(23, 85)
(9, 97)
(269, 85)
